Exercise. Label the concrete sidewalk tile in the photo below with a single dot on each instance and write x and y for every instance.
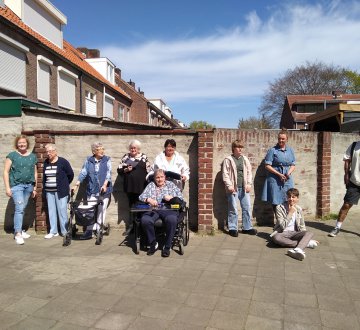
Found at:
(195, 264)
(143, 291)
(219, 258)
(34, 323)
(274, 271)
(232, 305)
(341, 304)
(338, 320)
(8, 299)
(225, 320)
(268, 295)
(267, 310)
(183, 326)
(203, 301)
(68, 326)
(301, 326)
(304, 315)
(246, 261)
(113, 285)
(298, 277)
(160, 310)
(217, 277)
(164, 271)
(326, 289)
(330, 280)
(54, 310)
(115, 321)
(83, 316)
(149, 323)
(130, 305)
(243, 270)
(219, 267)
(9, 318)
(270, 283)
(260, 323)
(26, 305)
(186, 315)
(303, 287)
(236, 279)
(235, 291)
(154, 280)
(187, 284)
(208, 287)
(197, 256)
(301, 299)
(354, 293)
(192, 274)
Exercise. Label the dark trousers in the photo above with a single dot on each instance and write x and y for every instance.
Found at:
(170, 218)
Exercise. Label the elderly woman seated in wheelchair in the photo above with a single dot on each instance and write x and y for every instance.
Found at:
(156, 194)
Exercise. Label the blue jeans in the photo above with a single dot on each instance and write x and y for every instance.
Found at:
(244, 198)
(20, 195)
(57, 207)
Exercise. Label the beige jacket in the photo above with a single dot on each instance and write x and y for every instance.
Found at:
(283, 219)
(229, 173)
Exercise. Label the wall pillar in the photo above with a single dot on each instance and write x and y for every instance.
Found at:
(42, 138)
(205, 185)
(323, 177)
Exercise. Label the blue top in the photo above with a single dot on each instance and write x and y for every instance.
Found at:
(154, 192)
(96, 172)
(275, 189)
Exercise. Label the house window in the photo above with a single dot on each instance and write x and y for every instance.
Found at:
(43, 78)
(109, 106)
(121, 112)
(66, 88)
(110, 73)
(127, 115)
(90, 103)
(12, 65)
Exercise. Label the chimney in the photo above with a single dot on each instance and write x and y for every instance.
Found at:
(132, 84)
(89, 53)
(140, 91)
(118, 72)
(336, 94)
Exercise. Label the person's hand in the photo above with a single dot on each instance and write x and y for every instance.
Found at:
(103, 188)
(34, 193)
(183, 178)
(8, 192)
(282, 177)
(247, 188)
(129, 168)
(231, 190)
(74, 188)
(152, 202)
(167, 197)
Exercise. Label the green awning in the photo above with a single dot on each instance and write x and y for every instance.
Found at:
(14, 106)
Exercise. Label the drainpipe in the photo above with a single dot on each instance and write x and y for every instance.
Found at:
(81, 99)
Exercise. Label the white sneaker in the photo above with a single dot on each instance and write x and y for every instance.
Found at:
(297, 253)
(312, 244)
(24, 234)
(50, 235)
(19, 240)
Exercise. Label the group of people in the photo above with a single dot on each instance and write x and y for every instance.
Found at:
(289, 230)
(163, 181)
(20, 178)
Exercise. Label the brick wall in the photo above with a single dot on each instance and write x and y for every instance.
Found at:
(320, 184)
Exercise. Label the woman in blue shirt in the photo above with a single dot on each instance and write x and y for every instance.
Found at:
(279, 163)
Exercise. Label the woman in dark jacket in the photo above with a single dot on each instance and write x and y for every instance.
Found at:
(57, 176)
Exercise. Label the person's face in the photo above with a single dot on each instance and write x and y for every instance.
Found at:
(99, 152)
(51, 153)
(238, 151)
(160, 179)
(133, 150)
(22, 145)
(282, 139)
(292, 200)
(169, 150)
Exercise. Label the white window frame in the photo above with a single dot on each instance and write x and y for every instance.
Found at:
(49, 63)
(121, 112)
(90, 97)
(111, 98)
(61, 69)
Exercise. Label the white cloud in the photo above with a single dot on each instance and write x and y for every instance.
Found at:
(240, 62)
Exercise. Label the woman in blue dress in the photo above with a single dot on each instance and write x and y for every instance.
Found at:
(279, 163)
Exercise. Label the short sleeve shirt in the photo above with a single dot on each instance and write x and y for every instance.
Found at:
(355, 163)
(22, 168)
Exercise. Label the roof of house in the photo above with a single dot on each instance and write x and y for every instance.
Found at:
(292, 99)
(68, 53)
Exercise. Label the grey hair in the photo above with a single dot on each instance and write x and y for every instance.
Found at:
(159, 170)
(51, 146)
(135, 143)
(96, 145)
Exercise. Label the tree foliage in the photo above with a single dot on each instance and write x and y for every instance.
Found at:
(309, 79)
(200, 125)
(354, 82)
(254, 122)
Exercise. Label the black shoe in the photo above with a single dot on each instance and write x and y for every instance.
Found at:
(87, 235)
(233, 233)
(165, 252)
(252, 231)
(152, 249)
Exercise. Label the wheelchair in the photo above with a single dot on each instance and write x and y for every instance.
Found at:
(182, 233)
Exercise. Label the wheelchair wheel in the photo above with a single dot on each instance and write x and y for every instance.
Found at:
(186, 231)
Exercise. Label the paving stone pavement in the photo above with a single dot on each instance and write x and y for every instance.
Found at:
(220, 282)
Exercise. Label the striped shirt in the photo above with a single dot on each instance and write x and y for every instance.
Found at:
(50, 173)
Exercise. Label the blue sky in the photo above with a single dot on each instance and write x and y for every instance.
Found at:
(213, 60)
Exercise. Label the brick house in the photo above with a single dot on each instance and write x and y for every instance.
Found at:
(297, 108)
(37, 65)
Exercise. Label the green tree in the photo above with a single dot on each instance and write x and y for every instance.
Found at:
(308, 79)
(200, 125)
(354, 82)
(254, 122)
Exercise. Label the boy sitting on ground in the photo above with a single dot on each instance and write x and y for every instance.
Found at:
(290, 230)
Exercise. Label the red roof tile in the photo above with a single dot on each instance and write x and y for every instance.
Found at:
(319, 98)
(69, 53)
